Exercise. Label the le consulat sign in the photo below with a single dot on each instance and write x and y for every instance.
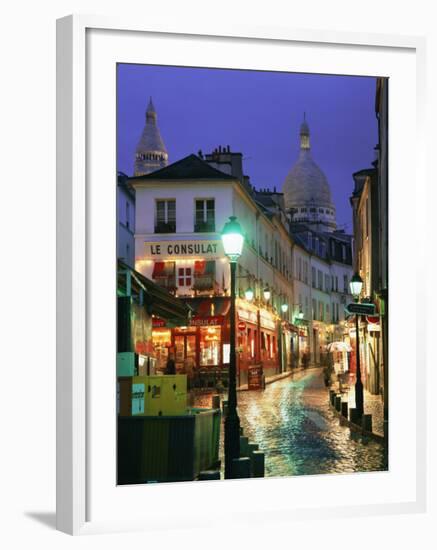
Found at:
(183, 249)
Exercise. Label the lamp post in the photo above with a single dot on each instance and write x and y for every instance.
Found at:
(356, 284)
(233, 239)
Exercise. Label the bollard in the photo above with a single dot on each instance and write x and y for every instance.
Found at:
(244, 446)
(253, 447)
(207, 475)
(353, 417)
(225, 407)
(241, 430)
(366, 422)
(241, 467)
(338, 402)
(332, 397)
(216, 401)
(257, 464)
(344, 407)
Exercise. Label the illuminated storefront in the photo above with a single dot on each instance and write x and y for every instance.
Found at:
(202, 348)
(257, 340)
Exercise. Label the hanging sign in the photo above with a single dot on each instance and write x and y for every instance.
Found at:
(360, 309)
(241, 325)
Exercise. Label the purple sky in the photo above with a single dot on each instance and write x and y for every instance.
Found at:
(257, 114)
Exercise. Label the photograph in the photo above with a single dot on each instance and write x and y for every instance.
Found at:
(251, 274)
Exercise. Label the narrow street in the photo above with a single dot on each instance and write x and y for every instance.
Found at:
(294, 426)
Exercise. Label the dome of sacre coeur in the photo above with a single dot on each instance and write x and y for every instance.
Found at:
(306, 184)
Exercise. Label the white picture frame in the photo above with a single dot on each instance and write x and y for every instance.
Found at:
(76, 237)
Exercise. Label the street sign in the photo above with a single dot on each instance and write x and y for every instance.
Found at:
(241, 325)
(360, 309)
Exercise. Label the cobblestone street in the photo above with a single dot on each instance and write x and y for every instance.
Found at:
(295, 427)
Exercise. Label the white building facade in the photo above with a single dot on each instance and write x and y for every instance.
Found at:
(180, 212)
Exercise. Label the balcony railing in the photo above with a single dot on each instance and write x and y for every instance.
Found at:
(165, 227)
(169, 283)
(204, 282)
(204, 227)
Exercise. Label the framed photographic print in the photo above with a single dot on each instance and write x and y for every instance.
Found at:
(233, 335)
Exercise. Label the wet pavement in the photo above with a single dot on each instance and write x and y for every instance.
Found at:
(293, 424)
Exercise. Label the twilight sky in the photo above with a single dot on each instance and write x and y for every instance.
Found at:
(257, 114)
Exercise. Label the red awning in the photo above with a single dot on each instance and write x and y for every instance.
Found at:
(199, 267)
(163, 269)
(207, 311)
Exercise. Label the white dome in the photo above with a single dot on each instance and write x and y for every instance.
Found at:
(306, 183)
(307, 195)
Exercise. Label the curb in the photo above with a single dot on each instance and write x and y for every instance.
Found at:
(355, 428)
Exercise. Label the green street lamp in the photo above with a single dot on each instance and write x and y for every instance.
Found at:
(300, 314)
(249, 294)
(284, 308)
(233, 240)
(356, 285)
(267, 294)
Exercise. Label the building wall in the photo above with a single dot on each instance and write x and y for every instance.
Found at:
(125, 226)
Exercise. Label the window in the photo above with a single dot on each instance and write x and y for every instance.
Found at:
(305, 272)
(209, 346)
(320, 279)
(165, 216)
(314, 309)
(313, 277)
(345, 284)
(205, 215)
(127, 214)
(327, 283)
(321, 311)
(184, 276)
(327, 312)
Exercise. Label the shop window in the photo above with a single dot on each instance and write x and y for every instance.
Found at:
(210, 338)
(161, 339)
(184, 276)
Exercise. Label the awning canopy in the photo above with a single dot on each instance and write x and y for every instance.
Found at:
(208, 311)
(163, 269)
(156, 299)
